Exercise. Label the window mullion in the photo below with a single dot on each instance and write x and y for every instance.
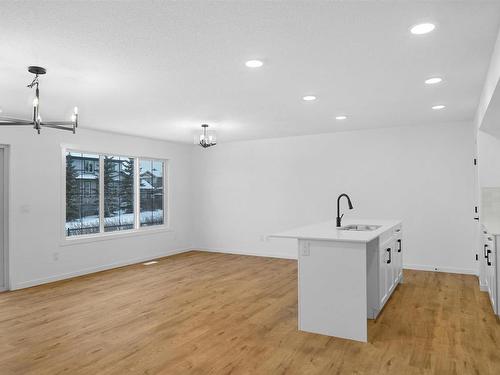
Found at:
(101, 194)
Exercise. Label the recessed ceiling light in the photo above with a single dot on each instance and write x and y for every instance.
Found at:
(433, 80)
(340, 117)
(254, 63)
(309, 98)
(440, 106)
(422, 28)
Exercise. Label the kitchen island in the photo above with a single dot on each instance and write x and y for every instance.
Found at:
(346, 275)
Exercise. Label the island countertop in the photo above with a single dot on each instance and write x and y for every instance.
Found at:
(327, 231)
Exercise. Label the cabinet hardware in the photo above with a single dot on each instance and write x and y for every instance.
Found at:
(399, 246)
(488, 257)
(490, 238)
(390, 257)
(476, 218)
(484, 251)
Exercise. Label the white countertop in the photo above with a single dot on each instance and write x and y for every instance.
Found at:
(492, 226)
(328, 231)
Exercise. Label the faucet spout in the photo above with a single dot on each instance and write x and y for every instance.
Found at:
(339, 217)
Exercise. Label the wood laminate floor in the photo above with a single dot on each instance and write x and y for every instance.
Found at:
(207, 313)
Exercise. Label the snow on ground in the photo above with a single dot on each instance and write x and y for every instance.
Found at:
(119, 219)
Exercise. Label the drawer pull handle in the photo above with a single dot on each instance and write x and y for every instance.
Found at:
(488, 257)
(390, 257)
(399, 246)
(484, 251)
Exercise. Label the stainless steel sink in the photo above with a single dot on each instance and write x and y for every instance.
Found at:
(359, 227)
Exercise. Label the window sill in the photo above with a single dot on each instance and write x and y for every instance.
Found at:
(77, 240)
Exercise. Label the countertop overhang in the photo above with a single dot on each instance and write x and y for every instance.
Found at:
(327, 231)
(492, 226)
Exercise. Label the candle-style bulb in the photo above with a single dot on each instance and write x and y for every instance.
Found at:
(73, 118)
(35, 102)
(75, 110)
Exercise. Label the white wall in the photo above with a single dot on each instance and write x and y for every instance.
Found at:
(422, 175)
(36, 213)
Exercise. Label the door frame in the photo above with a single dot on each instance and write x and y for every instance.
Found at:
(5, 229)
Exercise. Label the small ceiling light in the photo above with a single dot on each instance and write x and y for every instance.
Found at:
(254, 63)
(207, 139)
(433, 80)
(309, 98)
(422, 28)
(340, 117)
(438, 107)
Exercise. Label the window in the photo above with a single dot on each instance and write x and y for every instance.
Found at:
(82, 210)
(118, 193)
(151, 190)
(108, 193)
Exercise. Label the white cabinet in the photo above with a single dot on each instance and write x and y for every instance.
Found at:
(388, 272)
(490, 258)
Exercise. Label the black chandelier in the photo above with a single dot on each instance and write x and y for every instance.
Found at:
(37, 122)
(207, 140)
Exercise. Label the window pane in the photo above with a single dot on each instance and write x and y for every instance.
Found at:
(82, 193)
(151, 191)
(118, 193)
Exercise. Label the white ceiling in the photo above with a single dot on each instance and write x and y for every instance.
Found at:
(161, 69)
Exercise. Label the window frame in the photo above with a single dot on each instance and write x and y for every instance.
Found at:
(137, 230)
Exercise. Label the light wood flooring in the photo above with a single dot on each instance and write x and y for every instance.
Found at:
(207, 313)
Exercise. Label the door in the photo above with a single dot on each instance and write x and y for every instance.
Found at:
(3, 284)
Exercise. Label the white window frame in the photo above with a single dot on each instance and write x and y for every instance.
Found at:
(137, 230)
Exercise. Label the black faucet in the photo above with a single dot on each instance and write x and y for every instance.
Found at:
(339, 218)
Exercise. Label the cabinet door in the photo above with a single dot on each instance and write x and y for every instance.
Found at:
(391, 270)
(399, 259)
(382, 273)
(492, 272)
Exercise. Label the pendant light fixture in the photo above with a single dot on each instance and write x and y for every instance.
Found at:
(206, 139)
(37, 122)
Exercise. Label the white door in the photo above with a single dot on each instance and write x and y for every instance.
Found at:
(3, 285)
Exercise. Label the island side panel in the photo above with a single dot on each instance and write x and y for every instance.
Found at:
(332, 288)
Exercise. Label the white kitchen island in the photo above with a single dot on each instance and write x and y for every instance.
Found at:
(345, 276)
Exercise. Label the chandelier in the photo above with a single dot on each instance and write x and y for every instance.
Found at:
(37, 122)
(207, 140)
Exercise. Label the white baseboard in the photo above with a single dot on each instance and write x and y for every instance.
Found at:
(421, 267)
(243, 252)
(86, 271)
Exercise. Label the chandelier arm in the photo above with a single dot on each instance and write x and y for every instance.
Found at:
(16, 120)
(60, 127)
(14, 124)
(60, 123)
